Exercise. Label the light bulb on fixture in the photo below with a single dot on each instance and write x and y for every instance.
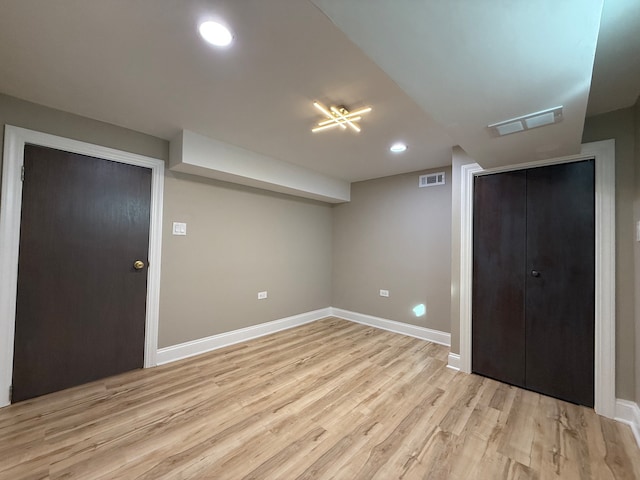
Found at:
(340, 114)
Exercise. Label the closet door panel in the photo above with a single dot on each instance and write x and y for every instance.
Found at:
(560, 285)
(498, 331)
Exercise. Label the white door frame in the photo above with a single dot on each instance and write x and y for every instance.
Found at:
(15, 139)
(605, 267)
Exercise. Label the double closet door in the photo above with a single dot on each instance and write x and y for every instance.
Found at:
(534, 279)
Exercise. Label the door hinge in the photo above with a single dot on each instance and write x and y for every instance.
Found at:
(22, 173)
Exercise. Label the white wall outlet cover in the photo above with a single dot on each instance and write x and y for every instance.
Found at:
(384, 293)
(262, 295)
(179, 228)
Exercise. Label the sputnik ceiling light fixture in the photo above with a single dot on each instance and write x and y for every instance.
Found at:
(339, 117)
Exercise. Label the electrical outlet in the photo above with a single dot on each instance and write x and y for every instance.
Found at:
(384, 293)
(262, 295)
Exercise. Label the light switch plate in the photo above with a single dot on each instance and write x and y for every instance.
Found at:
(179, 228)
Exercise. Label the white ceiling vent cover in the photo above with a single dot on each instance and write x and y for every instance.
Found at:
(431, 179)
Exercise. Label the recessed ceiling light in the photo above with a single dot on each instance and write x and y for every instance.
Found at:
(398, 147)
(216, 34)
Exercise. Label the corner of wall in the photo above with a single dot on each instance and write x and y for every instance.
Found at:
(629, 413)
(636, 214)
(458, 158)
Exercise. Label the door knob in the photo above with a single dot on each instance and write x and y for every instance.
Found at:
(535, 273)
(138, 264)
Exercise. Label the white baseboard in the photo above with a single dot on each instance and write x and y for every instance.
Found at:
(629, 413)
(422, 333)
(454, 362)
(207, 344)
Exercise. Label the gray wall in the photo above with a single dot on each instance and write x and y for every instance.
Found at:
(619, 125)
(36, 117)
(240, 240)
(394, 236)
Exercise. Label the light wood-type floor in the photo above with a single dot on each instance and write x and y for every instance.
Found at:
(331, 399)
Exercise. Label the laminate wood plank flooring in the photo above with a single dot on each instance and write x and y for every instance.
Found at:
(328, 400)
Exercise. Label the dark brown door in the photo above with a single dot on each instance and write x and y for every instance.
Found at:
(561, 281)
(499, 224)
(534, 279)
(80, 311)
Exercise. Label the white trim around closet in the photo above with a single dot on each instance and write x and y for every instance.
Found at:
(605, 288)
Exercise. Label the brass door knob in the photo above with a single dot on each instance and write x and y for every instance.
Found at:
(138, 264)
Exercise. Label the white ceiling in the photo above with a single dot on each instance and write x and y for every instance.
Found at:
(436, 73)
(471, 64)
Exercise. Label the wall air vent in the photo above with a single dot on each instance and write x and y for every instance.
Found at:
(431, 179)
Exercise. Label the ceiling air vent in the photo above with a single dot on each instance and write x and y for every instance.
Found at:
(431, 179)
(527, 122)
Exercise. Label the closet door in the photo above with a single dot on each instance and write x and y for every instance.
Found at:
(560, 281)
(498, 326)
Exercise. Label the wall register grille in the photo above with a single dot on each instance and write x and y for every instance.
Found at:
(431, 180)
